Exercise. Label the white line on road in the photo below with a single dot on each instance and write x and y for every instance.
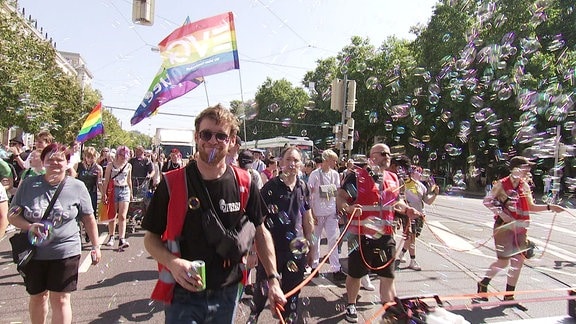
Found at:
(87, 262)
(451, 240)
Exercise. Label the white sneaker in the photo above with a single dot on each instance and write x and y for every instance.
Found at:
(110, 241)
(414, 265)
(402, 259)
(366, 283)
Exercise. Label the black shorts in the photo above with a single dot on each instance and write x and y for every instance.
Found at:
(376, 253)
(53, 275)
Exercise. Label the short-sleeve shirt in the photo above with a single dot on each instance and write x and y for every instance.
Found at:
(322, 204)
(141, 167)
(286, 208)
(73, 203)
(225, 195)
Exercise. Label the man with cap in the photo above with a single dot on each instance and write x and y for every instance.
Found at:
(511, 202)
(258, 164)
(369, 194)
(19, 155)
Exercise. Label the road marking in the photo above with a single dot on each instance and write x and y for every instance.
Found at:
(87, 262)
(451, 240)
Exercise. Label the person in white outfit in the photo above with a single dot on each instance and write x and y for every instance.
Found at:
(323, 184)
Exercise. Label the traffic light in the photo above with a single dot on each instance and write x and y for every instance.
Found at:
(349, 144)
(351, 98)
(143, 12)
(337, 96)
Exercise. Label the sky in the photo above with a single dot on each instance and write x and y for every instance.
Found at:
(276, 39)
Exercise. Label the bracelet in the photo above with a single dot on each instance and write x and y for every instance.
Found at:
(548, 206)
(95, 247)
(275, 275)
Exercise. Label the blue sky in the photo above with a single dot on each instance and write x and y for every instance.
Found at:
(276, 39)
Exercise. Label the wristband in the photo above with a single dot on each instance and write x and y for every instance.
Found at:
(95, 247)
(275, 275)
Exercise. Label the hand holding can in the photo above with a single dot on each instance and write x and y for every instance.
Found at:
(198, 267)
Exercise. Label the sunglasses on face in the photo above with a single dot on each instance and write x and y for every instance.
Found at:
(207, 135)
(384, 154)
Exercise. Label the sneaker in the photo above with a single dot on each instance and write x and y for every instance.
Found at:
(351, 315)
(517, 304)
(414, 265)
(123, 244)
(110, 241)
(481, 289)
(401, 258)
(339, 275)
(366, 283)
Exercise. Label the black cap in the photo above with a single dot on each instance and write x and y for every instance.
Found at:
(245, 157)
(519, 161)
(18, 139)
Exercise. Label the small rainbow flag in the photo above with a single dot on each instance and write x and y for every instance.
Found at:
(93, 126)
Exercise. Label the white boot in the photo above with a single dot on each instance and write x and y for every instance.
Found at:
(366, 283)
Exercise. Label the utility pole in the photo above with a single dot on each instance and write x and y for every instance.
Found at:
(343, 99)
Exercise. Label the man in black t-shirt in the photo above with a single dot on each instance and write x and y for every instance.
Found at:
(215, 127)
(142, 169)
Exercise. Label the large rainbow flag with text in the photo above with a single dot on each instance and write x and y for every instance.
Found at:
(189, 53)
(92, 126)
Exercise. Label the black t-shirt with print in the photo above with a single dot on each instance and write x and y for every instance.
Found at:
(225, 196)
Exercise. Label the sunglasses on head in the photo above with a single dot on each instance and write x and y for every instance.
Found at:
(207, 135)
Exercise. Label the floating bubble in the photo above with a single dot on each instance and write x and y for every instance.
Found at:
(373, 117)
(433, 156)
(299, 246)
(273, 107)
(286, 122)
(46, 234)
(388, 126)
(372, 83)
(284, 218)
(400, 130)
(446, 37)
(292, 266)
(15, 211)
(304, 133)
(269, 223)
(305, 301)
(433, 99)
(193, 203)
(361, 67)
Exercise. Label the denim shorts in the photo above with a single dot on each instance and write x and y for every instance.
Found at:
(210, 306)
(121, 194)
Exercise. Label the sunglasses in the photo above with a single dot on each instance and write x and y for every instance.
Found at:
(384, 153)
(207, 135)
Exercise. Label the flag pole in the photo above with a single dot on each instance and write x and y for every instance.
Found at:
(206, 92)
(242, 99)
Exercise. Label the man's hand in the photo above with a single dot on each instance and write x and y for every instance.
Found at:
(185, 275)
(412, 213)
(275, 295)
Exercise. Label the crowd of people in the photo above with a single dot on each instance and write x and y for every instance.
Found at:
(253, 222)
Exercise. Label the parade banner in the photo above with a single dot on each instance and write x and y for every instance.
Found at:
(190, 53)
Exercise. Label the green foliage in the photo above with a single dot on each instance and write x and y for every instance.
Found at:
(35, 94)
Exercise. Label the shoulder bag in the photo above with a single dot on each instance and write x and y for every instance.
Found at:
(22, 249)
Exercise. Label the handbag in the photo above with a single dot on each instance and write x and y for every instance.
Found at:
(326, 190)
(22, 248)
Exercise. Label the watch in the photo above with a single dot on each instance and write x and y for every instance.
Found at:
(275, 275)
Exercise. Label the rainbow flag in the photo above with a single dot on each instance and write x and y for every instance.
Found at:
(190, 53)
(92, 126)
